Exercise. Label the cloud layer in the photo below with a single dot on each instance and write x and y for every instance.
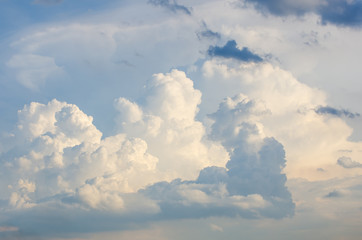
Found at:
(57, 159)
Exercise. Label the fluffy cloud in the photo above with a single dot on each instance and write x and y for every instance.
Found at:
(289, 114)
(61, 162)
(251, 185)
(59, 150)
(166, 120)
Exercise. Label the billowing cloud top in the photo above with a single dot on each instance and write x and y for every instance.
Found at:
(59, 160)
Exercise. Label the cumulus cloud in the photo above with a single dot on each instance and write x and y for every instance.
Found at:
(347, 162)
(324, 110)
(230, 50)
(166, 120)
(173, 6)
(251, 185)
(59, 161)
(59, 150)
(338, 12)
(289, 114)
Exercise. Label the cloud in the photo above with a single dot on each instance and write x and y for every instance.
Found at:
(284, 7)
(207, 33)
(251, 185)
(217, 228)
(230, 50)
(342, 12)
(336, 112)
(174, 6)
(333, 194)
(59, 161)
(347, 162)
(338, 12)
(32, 71)
(166, 119)
(288, 115)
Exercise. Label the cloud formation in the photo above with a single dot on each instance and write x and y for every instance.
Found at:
(251, 185)
(207, 33)
(230, 50)
(336, 112)
(338, 12)
(289, 115)
(173, 6)
(32, 71)
(57, 159)
(347, 162)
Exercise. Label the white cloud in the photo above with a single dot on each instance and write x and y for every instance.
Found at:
(292, 120)
(59, 150)
(32, 71)
(60, 160)
(166, 121)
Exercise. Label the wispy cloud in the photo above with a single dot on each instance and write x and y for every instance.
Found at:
(327, 110)
(172, 6)
(347, 162)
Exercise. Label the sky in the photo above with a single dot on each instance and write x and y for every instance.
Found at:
(175, 120)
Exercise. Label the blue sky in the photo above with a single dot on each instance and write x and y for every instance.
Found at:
(183, 119)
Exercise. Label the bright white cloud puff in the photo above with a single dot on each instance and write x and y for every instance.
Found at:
(61, 162)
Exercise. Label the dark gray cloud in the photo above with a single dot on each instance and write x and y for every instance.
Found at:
(333, 194)
(347, 162)
(281, 7)
(230, 50)
(324, 110)
(173, 6)
(342, 12)
(338, 12)
(252, 186)
(207, 33)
